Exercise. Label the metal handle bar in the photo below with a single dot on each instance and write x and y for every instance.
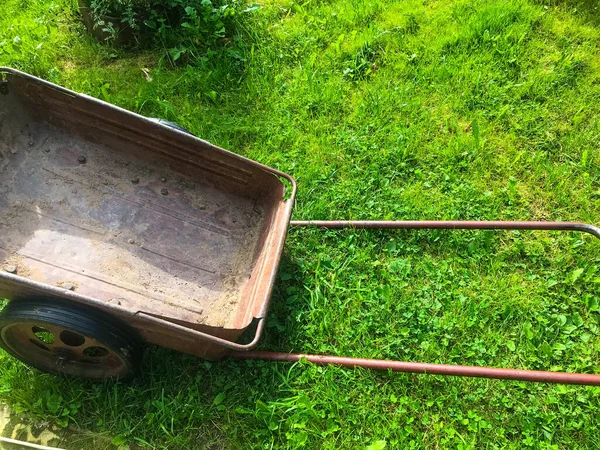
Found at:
(429, 368)
(450, 225)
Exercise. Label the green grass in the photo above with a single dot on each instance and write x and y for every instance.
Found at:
(433, 109)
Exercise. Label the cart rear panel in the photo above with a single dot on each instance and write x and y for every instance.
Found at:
(113, 207)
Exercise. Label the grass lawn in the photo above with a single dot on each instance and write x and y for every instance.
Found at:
(431, 109)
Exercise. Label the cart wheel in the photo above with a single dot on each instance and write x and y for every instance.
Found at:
(58, 337)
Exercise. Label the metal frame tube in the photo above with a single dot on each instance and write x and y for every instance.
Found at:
(427, 368)
(165, 324)
(449, 225)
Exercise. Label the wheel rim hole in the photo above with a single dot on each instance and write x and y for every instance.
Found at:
(43, 335)
(71, 339)
(39, 344)
(95, 352)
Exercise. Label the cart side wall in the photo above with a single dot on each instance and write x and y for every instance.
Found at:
(258, 290)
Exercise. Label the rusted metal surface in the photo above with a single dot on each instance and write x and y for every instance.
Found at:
(133, 216)
(431, 369)
(449, 225)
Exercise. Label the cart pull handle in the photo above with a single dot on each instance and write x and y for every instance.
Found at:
(450, 225)
(538, 376)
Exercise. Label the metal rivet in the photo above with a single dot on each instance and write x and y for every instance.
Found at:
(47, 150)
(61, 361)
(31, 143)
(131, 241)
(135, 180)
(163, 179)
(164, 192)
(11, 269)
(81, 159)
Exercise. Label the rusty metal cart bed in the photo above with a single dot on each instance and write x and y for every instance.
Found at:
(116, 230)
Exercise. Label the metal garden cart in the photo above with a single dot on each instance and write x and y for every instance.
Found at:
(118, 230)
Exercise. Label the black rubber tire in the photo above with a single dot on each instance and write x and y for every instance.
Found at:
(101, 331)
